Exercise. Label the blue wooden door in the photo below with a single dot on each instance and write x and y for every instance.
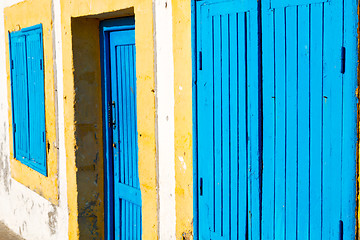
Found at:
(127, 195)
(309, 119)
(228, 119)
(283, 88)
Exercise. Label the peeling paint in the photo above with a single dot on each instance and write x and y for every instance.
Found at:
(52, 220)
(182, 163)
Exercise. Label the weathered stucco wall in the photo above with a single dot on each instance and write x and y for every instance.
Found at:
(89, 161)
(30, 205)
(183, 118)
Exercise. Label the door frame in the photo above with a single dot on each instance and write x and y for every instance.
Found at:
(107, 26)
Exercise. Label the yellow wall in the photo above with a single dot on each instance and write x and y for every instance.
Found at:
(183, 118)
(80, 20)
(17, 17)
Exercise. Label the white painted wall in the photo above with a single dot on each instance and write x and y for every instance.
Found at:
(21, 209)
(164, 90)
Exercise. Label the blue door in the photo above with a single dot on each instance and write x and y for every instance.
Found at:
(228, 119)
(309, 119)
(276, 119)
(124, 207)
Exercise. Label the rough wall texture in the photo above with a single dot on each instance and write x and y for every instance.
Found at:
(22, 209)
(183, 119)
(88, 118)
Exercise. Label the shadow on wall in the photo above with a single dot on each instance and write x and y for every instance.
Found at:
(88, 122)
(88, 126)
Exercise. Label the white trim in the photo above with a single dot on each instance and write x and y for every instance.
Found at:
(164, 90)
(8, 3)
(60, 131)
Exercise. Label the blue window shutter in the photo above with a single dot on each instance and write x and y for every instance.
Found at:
(28, 97)
(20, 98)
(34, 50)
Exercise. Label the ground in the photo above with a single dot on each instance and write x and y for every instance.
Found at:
(7, 234)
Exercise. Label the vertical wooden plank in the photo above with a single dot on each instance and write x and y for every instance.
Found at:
(126, 220)
(131, 117)
(316, 25)
(332, 118)
(129, 159)
(225, 128)
(217, 123)
(253, 124)
(291, 122)
(349, 119)
(269, 121)
(121, 131)
(136, 224)
(135, 132)
(139, 223)
(280, 89)
(123, 219)
(114, 60)
(140, 220)
(128, 113)
(233, 65)
(20, 98)
(131, 221)
(303, 123)
(118, 134)
(206, 128)
(36, 101)
(242, 121)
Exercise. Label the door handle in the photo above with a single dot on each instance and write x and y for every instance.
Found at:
(113, 123)
(201, 186)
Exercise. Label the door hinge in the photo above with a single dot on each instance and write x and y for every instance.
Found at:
(200, 60)
(343, 60)
(12, 64)
(41, 64)
(201, 186)
(341, 230)
(14, 127)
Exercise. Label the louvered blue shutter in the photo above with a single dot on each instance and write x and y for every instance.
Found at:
(20, 98)
(34, 50)
(28, 108)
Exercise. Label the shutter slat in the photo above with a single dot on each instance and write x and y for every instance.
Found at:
(20, 98)
(36, 102)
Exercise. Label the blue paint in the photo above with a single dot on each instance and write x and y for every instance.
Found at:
(308, 169)
(28, 97)
(123, 196)
(227, 120)
(304, 153)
